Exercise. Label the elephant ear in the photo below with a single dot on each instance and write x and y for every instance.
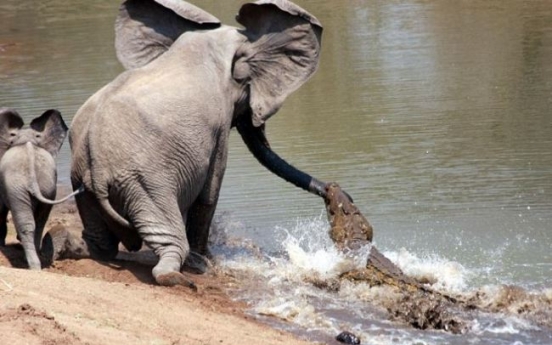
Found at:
(10, 124)
(280, 55)
(50, 130)
(145, 29)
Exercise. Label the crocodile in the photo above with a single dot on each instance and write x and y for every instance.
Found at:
(417, 304)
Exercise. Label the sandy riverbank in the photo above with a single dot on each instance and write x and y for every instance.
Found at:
(89, 302)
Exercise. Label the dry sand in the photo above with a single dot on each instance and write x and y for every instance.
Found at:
(90, 302)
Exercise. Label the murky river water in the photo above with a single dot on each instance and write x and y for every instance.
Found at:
(436, 116)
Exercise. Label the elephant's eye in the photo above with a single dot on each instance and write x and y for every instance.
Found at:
(12, 134)
(37, 136)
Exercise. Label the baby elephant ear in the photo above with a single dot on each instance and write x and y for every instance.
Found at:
(10, 124)
(50, 131)
(280, 55)
(145, 29)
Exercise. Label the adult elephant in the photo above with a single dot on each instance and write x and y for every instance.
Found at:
(150, 148)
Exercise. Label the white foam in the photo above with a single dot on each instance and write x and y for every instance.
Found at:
(547, 292)
(297, 310)
(445, 274)
(503, 325)
(327, 262)
(311, 251)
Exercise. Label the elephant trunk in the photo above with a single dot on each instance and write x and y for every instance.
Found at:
(255, 139)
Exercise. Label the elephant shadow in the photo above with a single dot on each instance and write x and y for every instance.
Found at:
(125, 268)
(12, 255)
(138, 264)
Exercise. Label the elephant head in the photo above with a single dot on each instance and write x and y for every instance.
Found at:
(279, 51)
(46, 131)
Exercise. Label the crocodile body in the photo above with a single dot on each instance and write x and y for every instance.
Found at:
(418, 304)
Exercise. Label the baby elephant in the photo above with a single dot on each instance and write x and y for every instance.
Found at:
(28, 176)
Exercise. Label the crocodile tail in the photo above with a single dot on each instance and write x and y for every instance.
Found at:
(35, 188)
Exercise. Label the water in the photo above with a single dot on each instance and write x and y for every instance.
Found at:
(433, 115)
(280, 285)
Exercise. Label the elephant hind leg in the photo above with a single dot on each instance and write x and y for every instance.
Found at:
(28, 242)
(130, 238)
(167, 271)
(171, 246)
(167, 237)
(42, 214)
(199, 220)
(100, 242)
(25, 226)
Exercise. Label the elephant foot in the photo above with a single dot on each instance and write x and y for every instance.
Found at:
(196, 263)
(175, 278)
(32, 258)
(167, 271)
(34, 266)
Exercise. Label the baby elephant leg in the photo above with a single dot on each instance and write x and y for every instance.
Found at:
(25, 226)
(42, 212)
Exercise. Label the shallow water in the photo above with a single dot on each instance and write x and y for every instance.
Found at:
(434, 116)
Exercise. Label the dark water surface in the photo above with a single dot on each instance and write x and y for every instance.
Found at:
(436, 116)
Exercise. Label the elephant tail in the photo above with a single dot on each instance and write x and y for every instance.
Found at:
(111, 213)
(100, 183)
(35, 188)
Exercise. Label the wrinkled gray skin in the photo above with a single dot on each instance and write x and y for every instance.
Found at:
(150, 148)
(28, 175)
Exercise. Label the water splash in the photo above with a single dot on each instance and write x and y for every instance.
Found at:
(318, 254)
(279, 284)
(440, 273)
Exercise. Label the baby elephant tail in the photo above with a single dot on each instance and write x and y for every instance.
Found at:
(35, 189)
